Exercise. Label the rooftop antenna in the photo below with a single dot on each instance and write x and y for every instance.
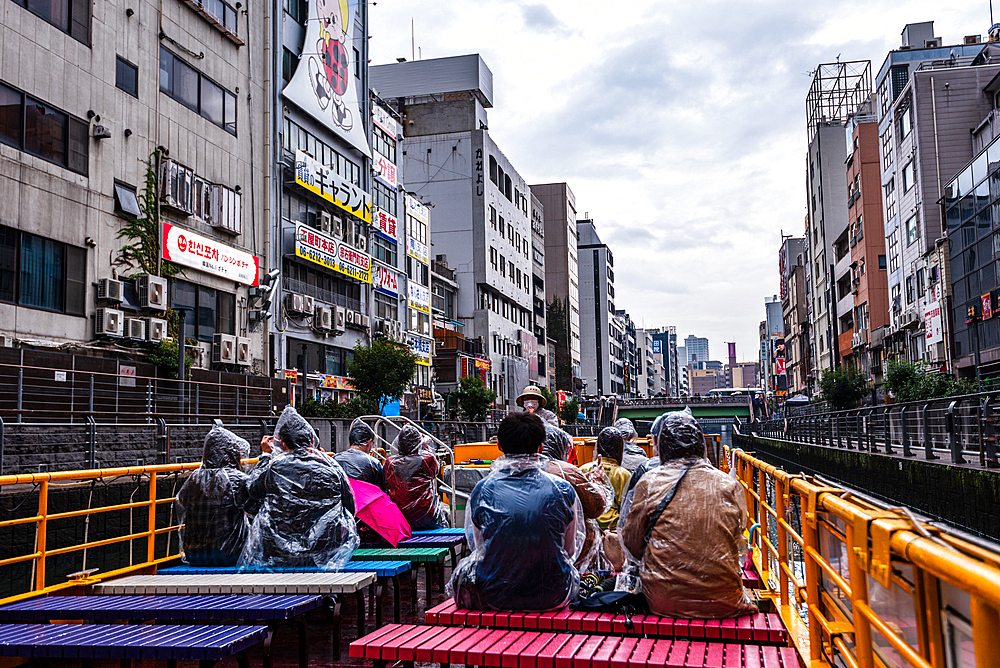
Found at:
(413, 41)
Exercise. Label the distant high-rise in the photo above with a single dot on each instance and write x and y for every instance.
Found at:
(696, 348)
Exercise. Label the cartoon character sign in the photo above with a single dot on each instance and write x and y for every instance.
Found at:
(331, 72)
(324, 84)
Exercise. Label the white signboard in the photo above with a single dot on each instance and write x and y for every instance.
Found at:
(325, 182)
(932, 323)
(189, 249)
(416, 249)
(385, 171)
(417, 210)
(418, 296)
(386, 280)
(421, 348)
(323, 84)
(384, 224)
(384, 120)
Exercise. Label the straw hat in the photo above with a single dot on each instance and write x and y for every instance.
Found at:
(531, 392)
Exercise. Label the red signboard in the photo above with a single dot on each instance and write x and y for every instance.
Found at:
(987, 300)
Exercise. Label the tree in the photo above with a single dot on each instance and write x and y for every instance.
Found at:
(380, 373)
(569, 411)
(474, 398)
(347, 410)
(551, 402)
(557, 322)
(843, 388)
(142, 250)
(914, 382)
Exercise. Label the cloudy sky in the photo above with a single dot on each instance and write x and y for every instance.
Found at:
(679, 126)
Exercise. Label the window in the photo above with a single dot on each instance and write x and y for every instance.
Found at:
(289, 63)
(921, 284)
(899, 75)
(493, 171)
(908, 179)
(384, 198)
(420, 322)
(383, 144)
(416, 229)
(126, 201)
(384, 250)
(70, 16)
(386, 306)
(297, 9)
(223, 13)
(893, 250)
(42, 273)
(211, 311)
(493, 258)
(503, 266)
(912, 230)
(503, 228)
(321, 284)
(39, 129)
(909, 289)
(881, 262)
(417, 271)
(905, 122)
(493, 215)
(887, 149)
(890, 199)
(296, 137)
(126, 76)
(197, 92)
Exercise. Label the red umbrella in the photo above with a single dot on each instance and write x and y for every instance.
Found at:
(376, 509)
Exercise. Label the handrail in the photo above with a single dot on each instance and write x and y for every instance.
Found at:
(882, 547)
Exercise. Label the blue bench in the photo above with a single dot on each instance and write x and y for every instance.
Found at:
(447, 531)
(448, 540)
(205, 644)
(247, 608)
(384, 571)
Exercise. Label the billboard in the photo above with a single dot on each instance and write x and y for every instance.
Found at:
(189, 249)
(323, 84)
(325, 182)
(933, 332)
(332, 254)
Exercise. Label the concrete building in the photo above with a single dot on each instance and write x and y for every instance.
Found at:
(674, 359)
(562, 280)
(538, 371)
(862, 290)
(482, 220)
(703, 380)
(772, 348)
(798, 360)
(100, 105)
(602, 339)
(650, 368)
(929, 97)
(630, 357)
(696, 349)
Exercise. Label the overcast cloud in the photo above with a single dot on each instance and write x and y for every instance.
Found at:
(679, 126)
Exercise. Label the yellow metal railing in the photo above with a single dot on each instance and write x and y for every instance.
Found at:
(866, 586)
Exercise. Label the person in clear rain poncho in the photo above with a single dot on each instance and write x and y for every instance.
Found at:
(591, 488)
(214, 527)
(684, 529)
(525, 528)
(610, 446)
(409, 477)
(357, 461)
(307, 507)
(633, 455)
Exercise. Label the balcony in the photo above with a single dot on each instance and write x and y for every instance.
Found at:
(447, 339)
(325, 296)
(443, 270)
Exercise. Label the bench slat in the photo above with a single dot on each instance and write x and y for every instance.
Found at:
(165, 608)
(263, 583)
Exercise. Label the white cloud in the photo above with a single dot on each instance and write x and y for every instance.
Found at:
(680, 127)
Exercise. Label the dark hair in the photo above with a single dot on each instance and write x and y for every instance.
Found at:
(361, 433)
(520, 434)
(611, 444)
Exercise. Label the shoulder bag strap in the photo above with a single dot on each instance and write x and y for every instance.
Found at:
(660, 507)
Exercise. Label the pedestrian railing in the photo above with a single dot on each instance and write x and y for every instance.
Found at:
(862, 585)
(958, 430)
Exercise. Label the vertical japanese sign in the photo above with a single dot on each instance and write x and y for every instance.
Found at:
(932, 323)
(479, 173)
(987, 301)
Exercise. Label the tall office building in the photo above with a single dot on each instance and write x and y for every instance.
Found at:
(798, 359)
(696, 349)
(602, 339)
(562, 279)
(481, 220)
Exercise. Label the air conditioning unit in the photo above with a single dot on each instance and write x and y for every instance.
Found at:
(202, 354)
(110, 322)
(177, 187)
(224, 349)
(337, 230)
(156, 329)
(397, 330)
(350, 318)
(135, 328)
(323, 319)
(109, 290)
(339, 318)
(908, 318)
(299, 304)
(361, 242)
(225, 209)
(324, 221)
(364, 321)
(243, 351)
(6, 341)
(152, 292)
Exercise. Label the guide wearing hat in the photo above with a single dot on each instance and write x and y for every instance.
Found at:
(531, 399)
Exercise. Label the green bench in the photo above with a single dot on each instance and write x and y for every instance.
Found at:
(429, 557)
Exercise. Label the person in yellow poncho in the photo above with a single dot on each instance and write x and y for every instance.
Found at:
(610, 446)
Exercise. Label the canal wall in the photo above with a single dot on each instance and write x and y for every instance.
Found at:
(966, 497)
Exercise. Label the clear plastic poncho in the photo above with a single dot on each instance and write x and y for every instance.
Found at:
(306, 515)
(690, 564)
(209, 505)
(633, 454)
(410, 478)
(526, 530)
(357, 464)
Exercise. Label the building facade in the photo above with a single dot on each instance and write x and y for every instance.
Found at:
(602, 339)
(696, 349)
(792, 267)
(538, 372)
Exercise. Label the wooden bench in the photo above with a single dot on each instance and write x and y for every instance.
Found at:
(384, 571)
(268, 609)
(757, 628)
(447, 531)
(324, 584)
(542, 649)
(452, 542)
(430, 557)
(205, 644)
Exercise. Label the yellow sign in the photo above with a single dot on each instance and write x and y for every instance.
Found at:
(334, 255)
(325, 182)
(291, 374)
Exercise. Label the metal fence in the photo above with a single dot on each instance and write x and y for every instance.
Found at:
(452, 432)
(960, 430)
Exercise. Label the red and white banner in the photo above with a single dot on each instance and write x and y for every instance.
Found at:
(385, 280)
(385, 171)
(385, 224)
(190, 249)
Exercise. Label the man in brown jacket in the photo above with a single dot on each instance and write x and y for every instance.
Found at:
(688, 553)
(593, 493)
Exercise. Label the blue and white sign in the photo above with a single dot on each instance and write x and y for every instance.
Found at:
(421, 348)
(657, 347)
(417, 250)
(418, 296)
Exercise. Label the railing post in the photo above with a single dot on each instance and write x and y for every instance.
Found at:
(20, 391)
(765, 535)
(871, 430)
(779, 509)
(988, 438)
(858, 578)
(91, 442)
(1, 447)
(163, 445)
(928, 441)
(949, 422)
(887, 429)
(90, 396)
(860, 430)
(151, 535)
(985, 622)
(810, 538)
(40, 536)
(904, 435)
